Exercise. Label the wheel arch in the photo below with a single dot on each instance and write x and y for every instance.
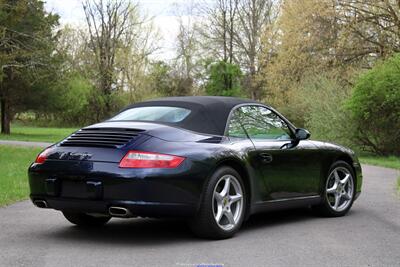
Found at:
(346, 158)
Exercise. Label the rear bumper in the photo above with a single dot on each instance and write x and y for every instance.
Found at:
(136, 208)
(93, 187)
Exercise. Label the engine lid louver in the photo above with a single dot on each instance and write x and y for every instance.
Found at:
(101, 137)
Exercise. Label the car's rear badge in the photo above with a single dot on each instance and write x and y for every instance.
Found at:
(75, 156)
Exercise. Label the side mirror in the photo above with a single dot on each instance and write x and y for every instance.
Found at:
(302, 134)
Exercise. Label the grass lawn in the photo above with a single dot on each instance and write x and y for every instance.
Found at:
(398, 184)
(40, 134)
(14, 162)
(388, 162)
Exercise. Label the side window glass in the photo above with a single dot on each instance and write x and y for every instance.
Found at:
(235, 128)
(259, 123)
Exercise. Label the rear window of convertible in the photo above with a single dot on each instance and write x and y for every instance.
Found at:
(155, 113)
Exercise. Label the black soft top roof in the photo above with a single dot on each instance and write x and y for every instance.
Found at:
(208, 113)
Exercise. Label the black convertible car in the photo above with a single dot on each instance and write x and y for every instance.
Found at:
(214, 160)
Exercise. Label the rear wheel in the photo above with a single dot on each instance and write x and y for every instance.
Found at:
(223, 206)
(86, 220)
(339, 190)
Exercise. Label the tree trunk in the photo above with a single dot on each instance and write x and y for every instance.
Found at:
(5, 116)
(224, 35)
(253, 88)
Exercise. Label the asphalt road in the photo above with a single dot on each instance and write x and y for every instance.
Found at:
(368, 236)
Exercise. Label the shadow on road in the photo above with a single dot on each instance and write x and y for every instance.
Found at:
(154, 232)
(276, 218)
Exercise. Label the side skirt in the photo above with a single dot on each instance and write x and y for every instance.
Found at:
(281, 204)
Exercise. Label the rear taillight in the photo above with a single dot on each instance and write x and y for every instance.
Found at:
(141, 159)
(41, 158)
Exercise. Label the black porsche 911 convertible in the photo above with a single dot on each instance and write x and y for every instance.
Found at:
(213, 160)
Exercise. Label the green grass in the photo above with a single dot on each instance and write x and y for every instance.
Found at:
(14, 162)
(39, 134)
(398, 184)
(388, 162)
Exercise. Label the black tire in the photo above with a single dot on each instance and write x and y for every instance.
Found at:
(204, 224)
(325, 208)
(85, 220)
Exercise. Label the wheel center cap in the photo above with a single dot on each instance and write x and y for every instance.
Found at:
(225, 201)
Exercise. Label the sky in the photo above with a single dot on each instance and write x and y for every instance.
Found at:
(163, 11)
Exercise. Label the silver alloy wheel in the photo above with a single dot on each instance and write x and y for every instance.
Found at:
(339, 189)
(227, 202)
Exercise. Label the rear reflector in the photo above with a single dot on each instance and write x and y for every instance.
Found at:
(142, 159)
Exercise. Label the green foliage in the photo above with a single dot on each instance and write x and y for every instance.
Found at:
(327, 119)
(14, 161)
(159, 77)
(165, 82)
(318, 105)
(27, 55)
(60, 78)
(387, 162)
(74, 99)
(224, 79)
(375, 108)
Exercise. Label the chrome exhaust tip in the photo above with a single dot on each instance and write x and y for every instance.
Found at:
(40, 204)
(119, 212)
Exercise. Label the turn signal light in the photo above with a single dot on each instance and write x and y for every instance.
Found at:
(141, 159)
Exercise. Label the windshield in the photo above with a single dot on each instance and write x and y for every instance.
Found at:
(158, 114)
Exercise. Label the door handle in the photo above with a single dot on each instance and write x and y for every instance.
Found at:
(266, 158)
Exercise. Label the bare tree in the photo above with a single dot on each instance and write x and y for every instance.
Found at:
(218, 30)
(186, 64)
(371, 28)
(108, 21)
(234, 31)
(133, 60)
(218, 34)
(74, 45)
(186, 46)
(254, 16)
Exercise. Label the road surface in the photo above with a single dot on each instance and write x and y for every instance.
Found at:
(368, 236)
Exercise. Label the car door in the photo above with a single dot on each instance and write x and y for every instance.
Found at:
(284, 172)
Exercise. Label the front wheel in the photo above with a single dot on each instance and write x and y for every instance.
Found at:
(223, 206)
(86, 220)
(339, 190)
